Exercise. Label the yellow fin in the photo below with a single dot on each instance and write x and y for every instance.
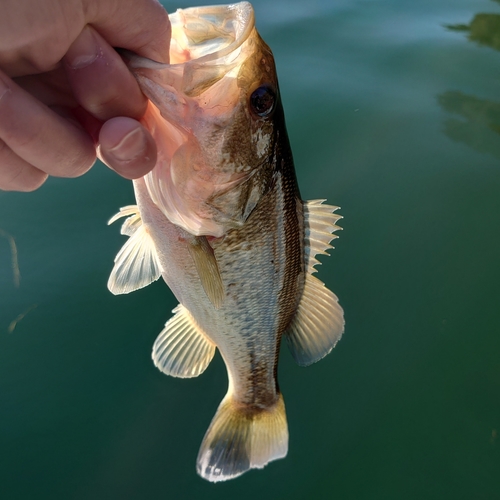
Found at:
(241, 438)
(318, 323)
(181, 349)
(136, 264)
(207, 268)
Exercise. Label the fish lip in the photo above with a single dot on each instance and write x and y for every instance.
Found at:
(135, 61)
(243, 12)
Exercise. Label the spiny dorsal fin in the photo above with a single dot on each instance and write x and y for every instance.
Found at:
(320, 223)
(181, 349)
(318, 323)
(136, 264)
(208, 269)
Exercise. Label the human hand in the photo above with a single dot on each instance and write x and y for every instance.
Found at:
(64, 90)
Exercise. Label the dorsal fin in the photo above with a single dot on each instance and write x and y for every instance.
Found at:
(319, 321)
(320, 224)
(136, 264)
(182, 349)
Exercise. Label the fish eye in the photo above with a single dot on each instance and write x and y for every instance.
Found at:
(262, 101)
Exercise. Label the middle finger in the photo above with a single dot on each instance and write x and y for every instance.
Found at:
(40, 136)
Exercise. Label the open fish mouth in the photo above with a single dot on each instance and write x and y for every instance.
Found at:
(206, 45)
(208, 139)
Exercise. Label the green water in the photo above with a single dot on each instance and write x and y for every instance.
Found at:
(393, 111)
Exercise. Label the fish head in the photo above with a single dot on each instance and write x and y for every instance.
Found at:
(215, 115)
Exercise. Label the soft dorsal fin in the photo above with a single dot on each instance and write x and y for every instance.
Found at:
(319, 321)
(208, 270)
(182, 349)
(136, 264)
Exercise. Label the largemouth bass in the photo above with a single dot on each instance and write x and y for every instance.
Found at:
(220, 217)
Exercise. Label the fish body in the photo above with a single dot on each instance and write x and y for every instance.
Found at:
(221, 219)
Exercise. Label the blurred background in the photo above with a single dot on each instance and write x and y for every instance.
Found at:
(393, 112)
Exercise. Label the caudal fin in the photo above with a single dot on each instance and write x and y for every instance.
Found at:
(240, 439)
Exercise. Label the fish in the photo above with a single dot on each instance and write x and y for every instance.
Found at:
(221, 219)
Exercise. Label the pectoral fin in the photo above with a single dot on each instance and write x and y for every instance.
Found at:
(136, 264)
(208, 269)
(319, 321)
(182, 349)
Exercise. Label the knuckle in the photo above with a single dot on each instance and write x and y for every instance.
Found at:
(33, 183)
(16, 174)
(103, 104)
(24, 179)
(81, 163)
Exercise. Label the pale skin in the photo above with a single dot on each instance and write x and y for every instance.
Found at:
(66, 96)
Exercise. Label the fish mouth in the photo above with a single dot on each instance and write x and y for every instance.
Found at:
(205, 46)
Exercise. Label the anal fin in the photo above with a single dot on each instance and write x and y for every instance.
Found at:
(182, 349)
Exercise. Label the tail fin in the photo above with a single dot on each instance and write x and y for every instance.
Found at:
(240, 439)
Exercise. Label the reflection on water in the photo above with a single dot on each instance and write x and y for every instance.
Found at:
(14, 262)
(484, 29)
(481, 117)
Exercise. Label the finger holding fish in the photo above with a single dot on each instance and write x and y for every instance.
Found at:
(35, 35)
(100, 80)
(27, 126)
(103, 85)
(41, 137)
(127, 147)
(68, 117)
(142, 26)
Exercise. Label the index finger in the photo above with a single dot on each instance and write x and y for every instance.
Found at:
(138, 25)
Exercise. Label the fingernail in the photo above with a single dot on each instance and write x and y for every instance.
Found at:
(130, 147)
(83, 51)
